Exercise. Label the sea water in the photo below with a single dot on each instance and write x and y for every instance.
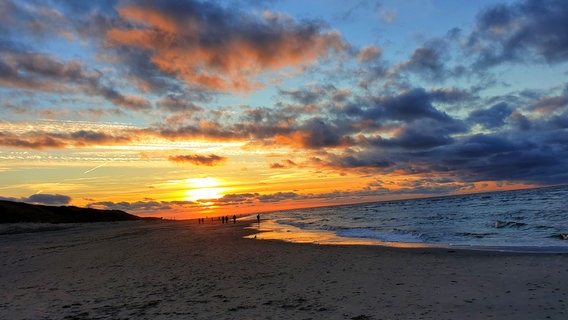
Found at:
(531, 219)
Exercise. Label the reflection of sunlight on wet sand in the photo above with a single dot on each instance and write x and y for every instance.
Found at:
(270, 230)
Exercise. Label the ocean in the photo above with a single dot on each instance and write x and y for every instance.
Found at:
(520, 220)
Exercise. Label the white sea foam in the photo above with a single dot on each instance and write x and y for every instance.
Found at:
(371, 233)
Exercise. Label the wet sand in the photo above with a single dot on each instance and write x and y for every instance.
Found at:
(185, 270)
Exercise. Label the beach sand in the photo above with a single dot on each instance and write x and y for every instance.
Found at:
(185, 270)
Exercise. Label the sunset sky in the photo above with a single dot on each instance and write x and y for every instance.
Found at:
(189, 108)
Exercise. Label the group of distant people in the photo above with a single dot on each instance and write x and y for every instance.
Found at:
(225, 219)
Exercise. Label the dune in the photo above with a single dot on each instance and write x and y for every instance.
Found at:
(18, 212)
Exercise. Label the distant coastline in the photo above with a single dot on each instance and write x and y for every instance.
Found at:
(19, 212)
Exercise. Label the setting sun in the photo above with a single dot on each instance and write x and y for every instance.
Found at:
(203, 189)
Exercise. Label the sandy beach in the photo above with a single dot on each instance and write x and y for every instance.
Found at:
(185, 270)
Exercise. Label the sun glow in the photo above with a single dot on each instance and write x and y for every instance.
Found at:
(203, 189)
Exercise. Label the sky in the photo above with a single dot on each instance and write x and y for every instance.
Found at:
(194, 108)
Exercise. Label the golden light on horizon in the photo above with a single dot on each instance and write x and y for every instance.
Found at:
(203, 189)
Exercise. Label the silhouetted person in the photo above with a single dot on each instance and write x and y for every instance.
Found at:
(234, 219)
(258, 218)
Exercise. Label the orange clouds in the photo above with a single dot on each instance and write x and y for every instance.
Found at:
(210, 160)
(284, 164)
(48, 135)
(58, 141)
(369, 53)
(39, 142)
(208, 46)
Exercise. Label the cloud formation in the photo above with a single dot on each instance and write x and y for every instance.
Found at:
(45, 199)
(199, 160)
(25, 70)
(218, 48)
(48, 199)
(521, 31)
(37, 139)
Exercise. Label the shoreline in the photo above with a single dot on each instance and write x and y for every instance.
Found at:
(271, 230)
(182, 269)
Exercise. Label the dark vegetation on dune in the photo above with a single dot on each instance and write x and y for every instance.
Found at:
(14, 212)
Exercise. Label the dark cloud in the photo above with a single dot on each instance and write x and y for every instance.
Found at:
(279, 196)
(58, 140)
(522, 31)
(45, 199)
(480, 146)
(410, 105)
(316, 95)
(560, 121)
(199, 160)
(319, 134)
(520, 122)
(423, 140)
(426, 186)
(493, 117)
(528, 157)
(48, 199)
(35, 142)
(526, 166)
(36, 71)
(89, 137)
(134, 103)
(177, 104)
(450, 95)
(304, 96)
(43, 65)
(237, 198)
(420, 135)
(137, 67)
(382, 161)
(426, 62)
(150, 206)
(505, 160)
(284, 164)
